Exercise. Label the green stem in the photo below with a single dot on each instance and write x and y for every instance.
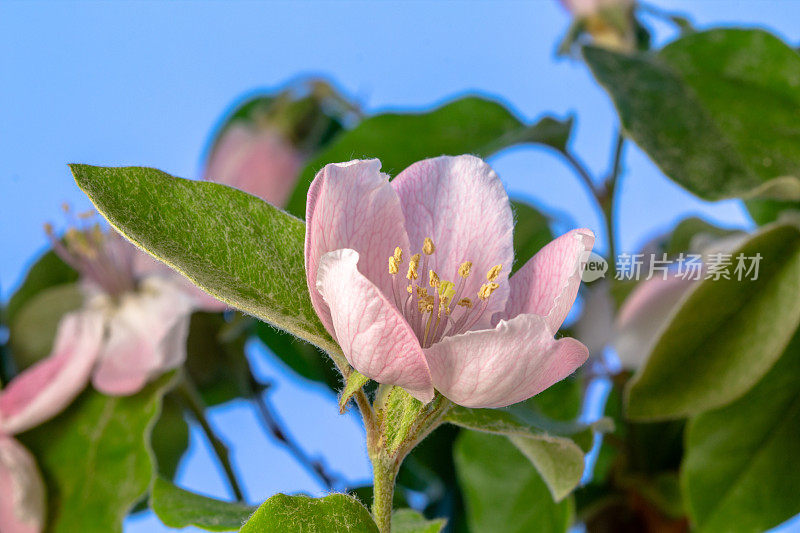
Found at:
(384, 472)
(607, 203)
(194, 403)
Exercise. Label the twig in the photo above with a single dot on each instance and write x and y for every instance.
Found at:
(274, 426)
(194, 403)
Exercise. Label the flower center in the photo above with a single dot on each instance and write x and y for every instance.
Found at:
(97, 255)
(434, 307)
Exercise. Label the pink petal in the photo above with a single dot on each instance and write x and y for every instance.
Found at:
(261, 163)
(498, 367)
(46, 388)
(352, 205)
(644, 314)
(22, 492)
(374, 336)
(548, 283)
(461, 204)
(146, 337)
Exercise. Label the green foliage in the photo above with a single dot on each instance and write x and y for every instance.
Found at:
(33, 327)
(236, 246)
(47, 271)
(179, 508)
(96, 458)
(354, 382)
(469, 125)
(169, 439)
(740, 472)
(726, 335)
(531, 232)
(410, 521)
(331, 514)
(697, 108)
(502, 491)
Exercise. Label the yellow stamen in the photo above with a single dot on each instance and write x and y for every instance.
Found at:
(398, 255)
(433, 278)
(413, 264)
(446, 291)
(494, 272)
(393, 266)
(465, 302)
(428, 247)
(486, 290)
(464, 268)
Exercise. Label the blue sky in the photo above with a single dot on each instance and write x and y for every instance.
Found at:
(118, 83)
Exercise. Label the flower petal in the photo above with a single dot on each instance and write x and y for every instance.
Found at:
(146, 337)
(508, 364)
(644, 314)
(374, 336)
(22, 492)
(46, 388)
(261, 163)
(352, 205)
(548, 283)
(461, 204)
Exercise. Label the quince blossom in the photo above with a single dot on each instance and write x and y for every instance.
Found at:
(411, 278)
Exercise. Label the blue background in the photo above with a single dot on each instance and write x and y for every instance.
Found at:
(144, 83)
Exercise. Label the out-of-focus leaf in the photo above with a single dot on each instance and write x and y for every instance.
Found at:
(47, 271)
(304, 358)
(179, 508)
(96, 458)
(469, 125)
(355, 381)
(169, 439)
(216, 365)
(410, 521)
(331, 514)
(687, 231)
(33, 327)
(715, 110)
(531, 232)
(740, 472)
(502, 491)
(765, 211)
(239, 248)
(726, 335)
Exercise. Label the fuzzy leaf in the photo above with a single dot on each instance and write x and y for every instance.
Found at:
(179, 508)
(331, 514)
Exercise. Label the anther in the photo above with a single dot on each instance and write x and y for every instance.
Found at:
(464, 268)
(428, 247)
(433, 279)
(413, 264)
(494, 272)
(398, 255)
(486, 290)
(465, 302)
(393, 266)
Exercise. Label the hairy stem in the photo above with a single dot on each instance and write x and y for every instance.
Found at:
(194, 403)
(384, 472)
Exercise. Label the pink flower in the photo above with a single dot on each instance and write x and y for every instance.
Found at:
(258, 161)
(36, 395)
(586, 8)
(143, 306)
(411, 279)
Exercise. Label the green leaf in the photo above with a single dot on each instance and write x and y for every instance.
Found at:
(331, 514)
(697, 108)
(304, 358)
(96, 458)
(559, 460)
(502, 491)
(354, 382)
(468, 125)
(410, 521)
(47, 271)
(683, 237)
(179, 508)
(33, 327)
(234, 245)
(401, 416)
(169, 439)
(740, 472)
(531, 232)
(726, 335)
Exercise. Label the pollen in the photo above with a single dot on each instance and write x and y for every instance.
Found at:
(493, 273)
(398, 255)
(465, 302)
(393, 266)
(487, 289)
(433, 279)
(413, 265)
(428, 247)
(447, 290)
(464, 268)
